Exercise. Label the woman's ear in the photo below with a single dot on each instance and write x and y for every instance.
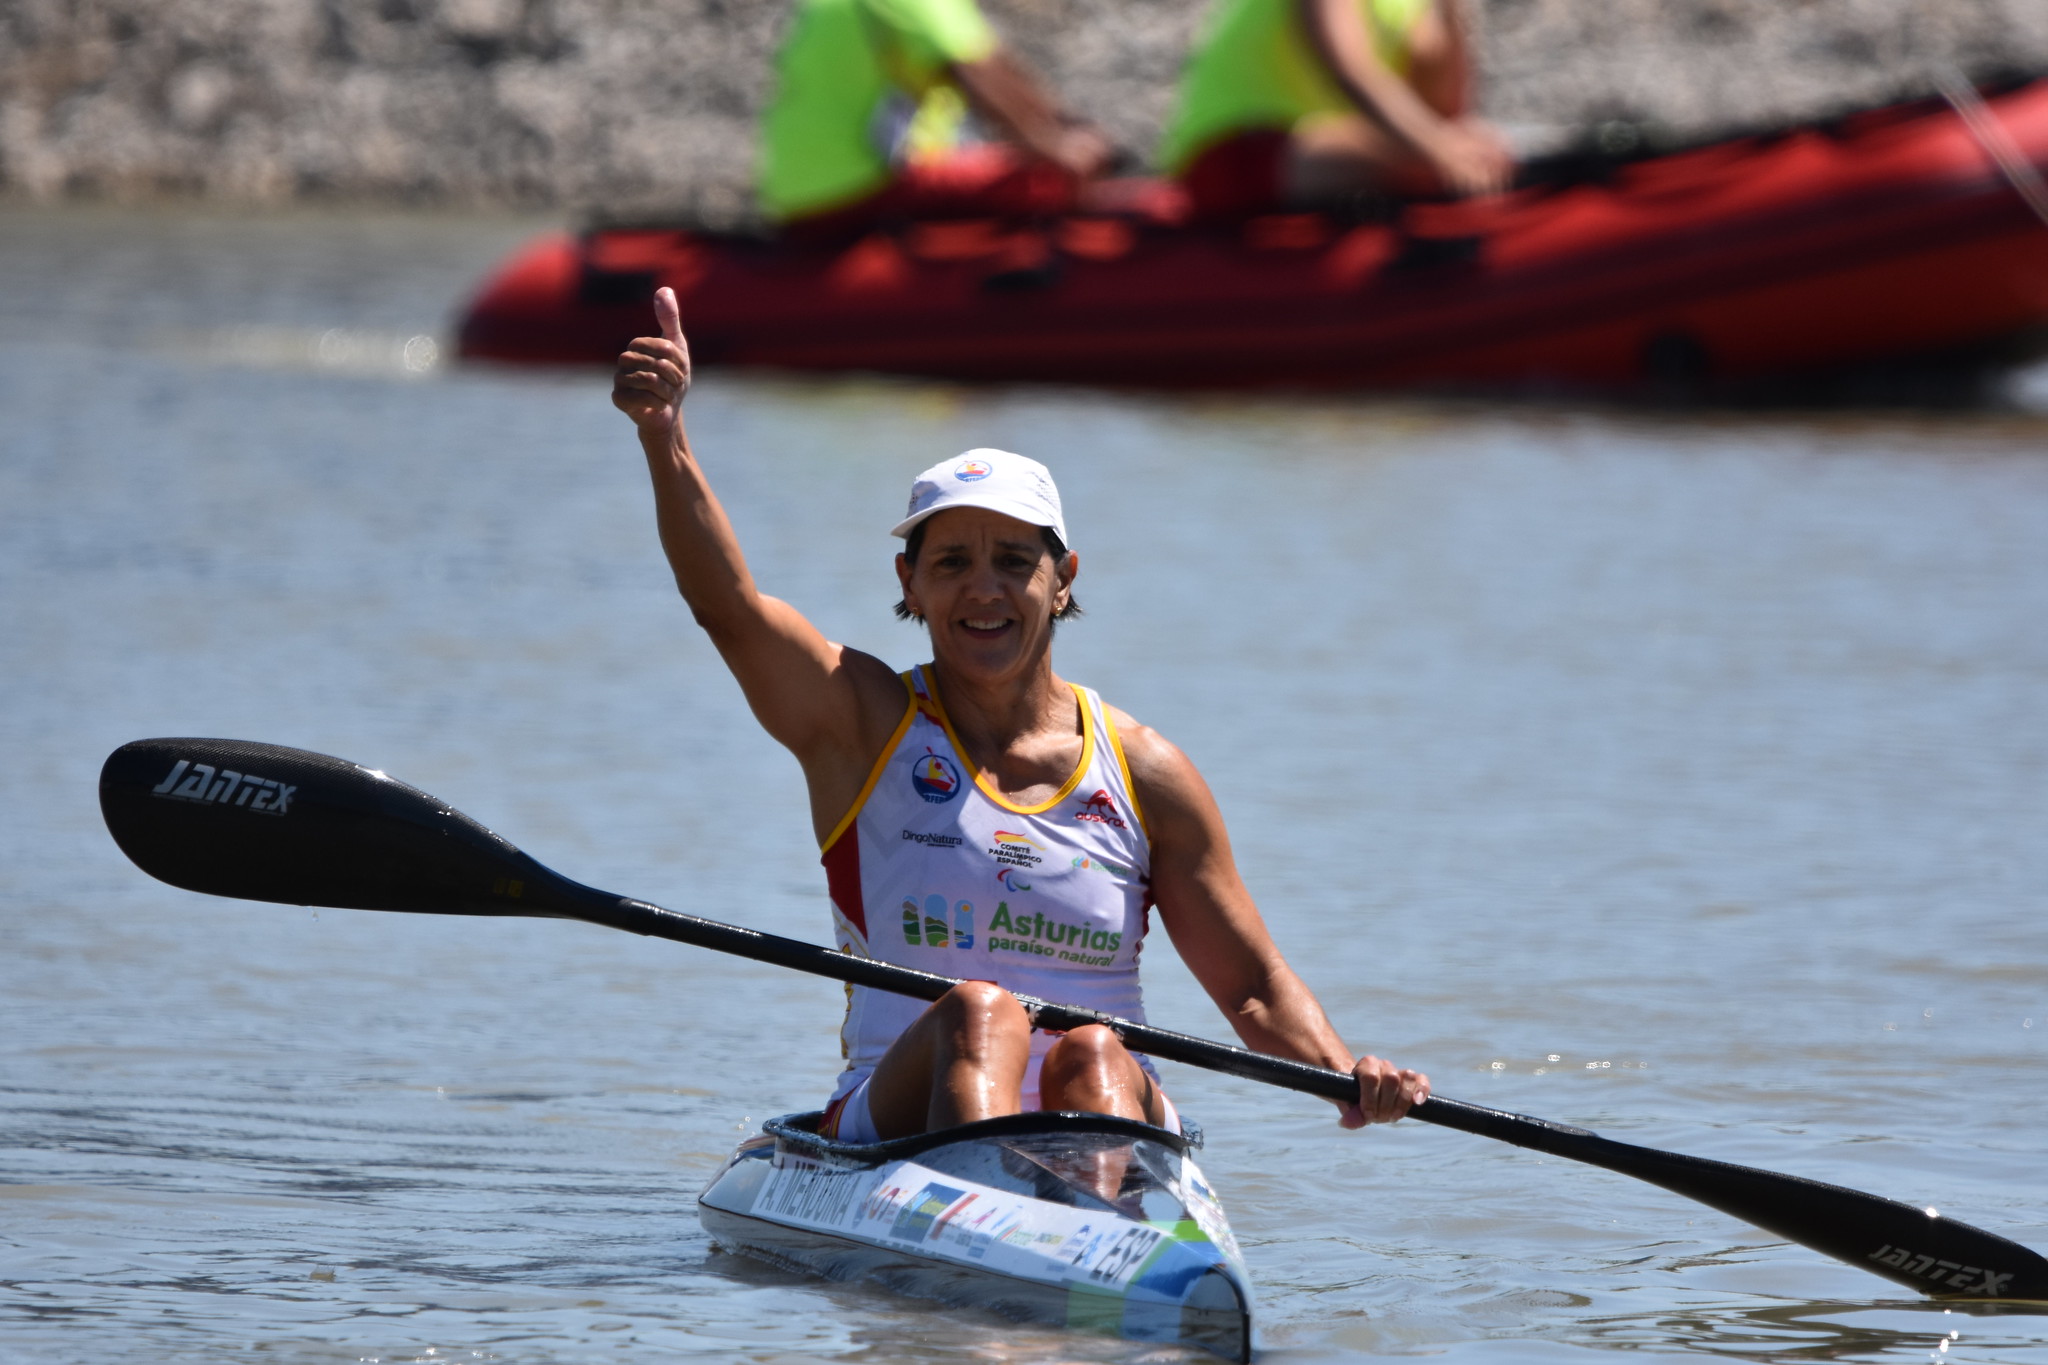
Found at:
(1063, 582)
(909, 603)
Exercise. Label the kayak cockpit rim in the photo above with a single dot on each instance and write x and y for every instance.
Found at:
(800, 1132)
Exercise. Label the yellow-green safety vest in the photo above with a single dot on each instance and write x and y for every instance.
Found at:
(1254, 67)
(861, 86)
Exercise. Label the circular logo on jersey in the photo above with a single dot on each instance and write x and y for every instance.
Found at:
(935, 777)
(968, 471)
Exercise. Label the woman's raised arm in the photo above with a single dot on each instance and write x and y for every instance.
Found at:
(831, 706)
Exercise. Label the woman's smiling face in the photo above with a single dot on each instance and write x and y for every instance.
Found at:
(987, 587)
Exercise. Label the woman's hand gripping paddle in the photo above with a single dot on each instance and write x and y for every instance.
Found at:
(262, 822)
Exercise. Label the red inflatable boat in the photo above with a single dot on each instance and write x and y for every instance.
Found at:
(1890, 235)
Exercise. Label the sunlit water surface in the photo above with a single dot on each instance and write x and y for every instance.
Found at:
(1684, 777)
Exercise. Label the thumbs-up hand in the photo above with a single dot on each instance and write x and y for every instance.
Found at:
(653, 373)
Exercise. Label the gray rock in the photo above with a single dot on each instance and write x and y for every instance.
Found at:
(639, 107)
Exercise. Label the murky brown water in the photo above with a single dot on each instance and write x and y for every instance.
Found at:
(1684, 778)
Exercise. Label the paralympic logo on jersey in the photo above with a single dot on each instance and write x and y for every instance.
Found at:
(935, 777)
(971, 471)
(1008, 877)
(1015, 850)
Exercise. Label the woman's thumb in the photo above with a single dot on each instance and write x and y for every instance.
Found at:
(668, 315)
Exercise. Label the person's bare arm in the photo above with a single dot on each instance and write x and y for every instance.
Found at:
(1219, 933)
(1450, 93)
(830, 705)
(1003, 91)
(1467, 161)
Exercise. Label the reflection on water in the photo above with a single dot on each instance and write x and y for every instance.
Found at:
(343, 350)
(1856, 1330)
(1677, 776)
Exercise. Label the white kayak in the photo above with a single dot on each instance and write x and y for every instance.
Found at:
(1081, 1220)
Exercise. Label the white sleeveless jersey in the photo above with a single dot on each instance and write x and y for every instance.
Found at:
(933, 869)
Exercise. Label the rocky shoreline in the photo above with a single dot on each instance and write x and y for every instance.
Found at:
(647, 106)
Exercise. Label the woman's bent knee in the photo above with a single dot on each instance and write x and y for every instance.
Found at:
(1091, 1055)
(1091, 1043)
(1090, 1069)
(982, 1006)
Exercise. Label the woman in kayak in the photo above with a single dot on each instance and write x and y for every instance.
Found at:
(980, 817)
(1305, 103)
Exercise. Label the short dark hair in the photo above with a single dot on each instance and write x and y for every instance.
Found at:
(914, 543)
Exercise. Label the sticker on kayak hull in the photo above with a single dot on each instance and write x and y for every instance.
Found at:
(952, 1219)
(812, 1194)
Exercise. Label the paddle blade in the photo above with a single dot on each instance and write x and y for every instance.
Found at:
(1909, 1245)
(264, 822)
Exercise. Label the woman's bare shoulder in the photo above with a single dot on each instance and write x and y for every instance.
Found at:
(1166, 779)
(882, 695)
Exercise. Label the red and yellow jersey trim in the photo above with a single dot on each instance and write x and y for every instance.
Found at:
(1116, 744)
(987, 789)
(867, 788)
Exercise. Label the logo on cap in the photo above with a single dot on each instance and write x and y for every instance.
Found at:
(967, 471)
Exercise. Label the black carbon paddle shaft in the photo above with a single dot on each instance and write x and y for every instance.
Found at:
(264, 822)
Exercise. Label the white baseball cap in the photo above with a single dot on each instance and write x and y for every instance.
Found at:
(1015, 485)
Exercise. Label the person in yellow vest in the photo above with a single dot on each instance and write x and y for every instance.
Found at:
(1304, 103)
(871, 102)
